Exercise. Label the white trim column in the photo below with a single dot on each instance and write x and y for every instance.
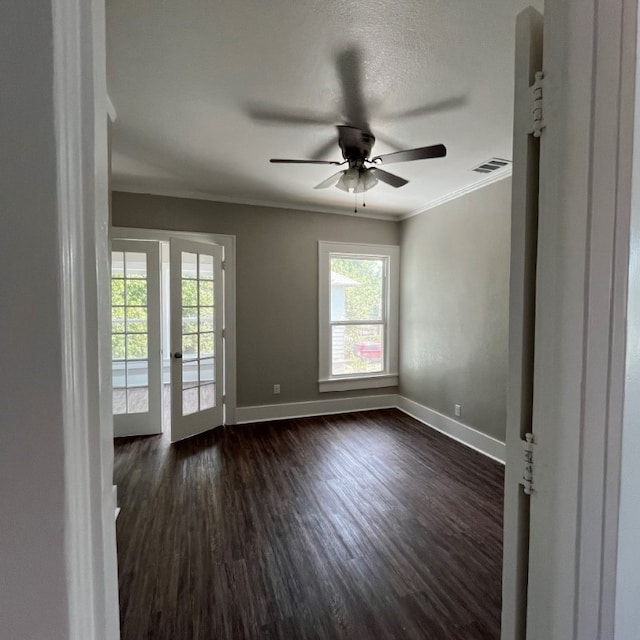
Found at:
(589, 63)
(622, 520)
(57, 557)
(83, 208)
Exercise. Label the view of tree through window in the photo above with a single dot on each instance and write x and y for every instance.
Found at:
(198, 344)
(130, 332)
(357, 315)
(130, 319)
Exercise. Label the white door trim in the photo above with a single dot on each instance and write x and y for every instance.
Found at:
(605, 322)
(589, 62)
(621, 558)
(229, 244)
(79, 93)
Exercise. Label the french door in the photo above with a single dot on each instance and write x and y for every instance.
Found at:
(196, 332)
(135, 337)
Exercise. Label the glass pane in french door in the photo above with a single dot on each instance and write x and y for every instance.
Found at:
(129, 332)
(197, 332)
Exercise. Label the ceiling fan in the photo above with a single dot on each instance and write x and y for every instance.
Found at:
(354, 136)
(363, 173)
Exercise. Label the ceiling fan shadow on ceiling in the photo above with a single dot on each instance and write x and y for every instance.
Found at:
(354, 137)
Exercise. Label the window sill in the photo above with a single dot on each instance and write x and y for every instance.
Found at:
(365, 382)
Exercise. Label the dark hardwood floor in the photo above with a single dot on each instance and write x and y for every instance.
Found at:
(362, 525)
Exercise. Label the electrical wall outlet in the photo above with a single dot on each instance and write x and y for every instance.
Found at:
(276, 389)
(458, 410)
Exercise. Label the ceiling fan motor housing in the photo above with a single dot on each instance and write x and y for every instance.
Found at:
(355, 144)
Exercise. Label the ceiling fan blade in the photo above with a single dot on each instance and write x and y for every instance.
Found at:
(422, 153)
(389, 178)
(288, 161)
(329, 182)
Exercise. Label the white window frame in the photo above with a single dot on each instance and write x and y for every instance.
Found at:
(388, 377)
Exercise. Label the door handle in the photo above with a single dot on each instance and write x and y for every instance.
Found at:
(177, 355)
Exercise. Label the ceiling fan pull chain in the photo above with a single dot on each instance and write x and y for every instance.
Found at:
(364, 204)
(355, 203)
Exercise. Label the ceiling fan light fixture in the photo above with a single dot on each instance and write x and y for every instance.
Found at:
(367, 181)
(356, 181)
(349, 180)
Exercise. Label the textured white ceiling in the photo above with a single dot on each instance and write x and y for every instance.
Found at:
(194, 81)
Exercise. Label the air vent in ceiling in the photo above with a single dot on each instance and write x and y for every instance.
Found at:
(492, 165)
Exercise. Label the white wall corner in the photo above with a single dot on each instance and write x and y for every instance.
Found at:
(491, 447)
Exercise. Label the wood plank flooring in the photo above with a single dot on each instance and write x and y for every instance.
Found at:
(362, 526)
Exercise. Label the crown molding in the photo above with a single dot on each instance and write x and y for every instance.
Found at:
(186, 194)
(201, 195)
(499, 175)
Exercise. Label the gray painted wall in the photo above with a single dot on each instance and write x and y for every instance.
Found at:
(276, 283)
(454, 307)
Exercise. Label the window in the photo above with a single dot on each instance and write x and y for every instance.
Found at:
(358, 305)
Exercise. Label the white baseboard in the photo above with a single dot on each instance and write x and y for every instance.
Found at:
(262, 413)
(459, 431)
(469, 436)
